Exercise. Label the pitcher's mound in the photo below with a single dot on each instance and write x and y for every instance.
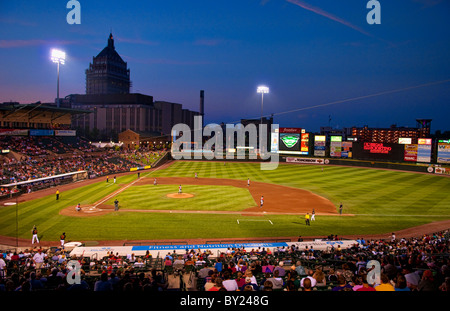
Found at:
(180, 195)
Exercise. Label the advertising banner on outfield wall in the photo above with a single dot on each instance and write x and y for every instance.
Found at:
(442, 170)
(65, 133)
(304, 145)
(424, 150)
(443, 152)
(410, 153)
(346, 149)
(12, 132)
(41, 132)
(336, 146)
(320, 145)
(304, 160)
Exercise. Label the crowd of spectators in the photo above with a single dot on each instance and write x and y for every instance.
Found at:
(43, 157)
(31, 168)
(416, 264)
(143, 156)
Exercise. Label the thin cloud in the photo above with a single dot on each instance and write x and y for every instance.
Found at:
(9, 44)
(136, 41)
(428, 3)
(328, 15)
(208, 42)
(164, 61)
(17, 21)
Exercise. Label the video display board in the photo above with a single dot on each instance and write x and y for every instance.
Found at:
(443, 151)
(378, 151)
(292, 141)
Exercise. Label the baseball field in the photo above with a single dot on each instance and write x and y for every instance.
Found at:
(221, 204)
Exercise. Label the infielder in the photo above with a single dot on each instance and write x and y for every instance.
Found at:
(35, 235)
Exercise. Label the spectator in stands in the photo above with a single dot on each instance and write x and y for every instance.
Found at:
(229, 283)
(280, 269)
(400, 284)
(103, 284)
(306, 287)
(218, 285)
(35, 282)
(299, 268)
(309, 276)
(218, 265)
(342, 284)
(240, 280)
(365, 287)
(249, 282)
(203, 272)
(427, 282)
(445, 286)
(267, 286)
(276, 281)
(319, 276)
(385, 285)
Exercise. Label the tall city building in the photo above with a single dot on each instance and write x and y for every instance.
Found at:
(108, 72)
(113, 109)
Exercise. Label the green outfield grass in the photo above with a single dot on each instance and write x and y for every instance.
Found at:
(382, 200)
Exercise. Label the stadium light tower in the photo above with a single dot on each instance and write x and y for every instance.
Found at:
(58, 57)
(263, 90)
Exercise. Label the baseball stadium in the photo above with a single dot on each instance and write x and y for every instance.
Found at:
(100, 192)
(138, 212)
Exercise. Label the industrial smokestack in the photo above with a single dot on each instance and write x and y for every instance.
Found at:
(202, 105)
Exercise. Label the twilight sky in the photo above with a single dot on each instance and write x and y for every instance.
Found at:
(314, 55)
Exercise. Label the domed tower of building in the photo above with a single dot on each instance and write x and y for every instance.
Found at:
(108, 72)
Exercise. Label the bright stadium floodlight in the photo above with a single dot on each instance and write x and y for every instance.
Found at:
(58, 57)
(263, 90)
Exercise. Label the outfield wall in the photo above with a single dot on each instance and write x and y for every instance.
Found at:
(162, 250)
(419, 167)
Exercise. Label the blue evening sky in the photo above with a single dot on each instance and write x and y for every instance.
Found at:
(309, 53)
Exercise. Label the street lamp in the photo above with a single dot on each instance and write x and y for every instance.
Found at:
(58, 57)
(263, 90)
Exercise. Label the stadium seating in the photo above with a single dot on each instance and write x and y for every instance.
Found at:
(415, 255)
